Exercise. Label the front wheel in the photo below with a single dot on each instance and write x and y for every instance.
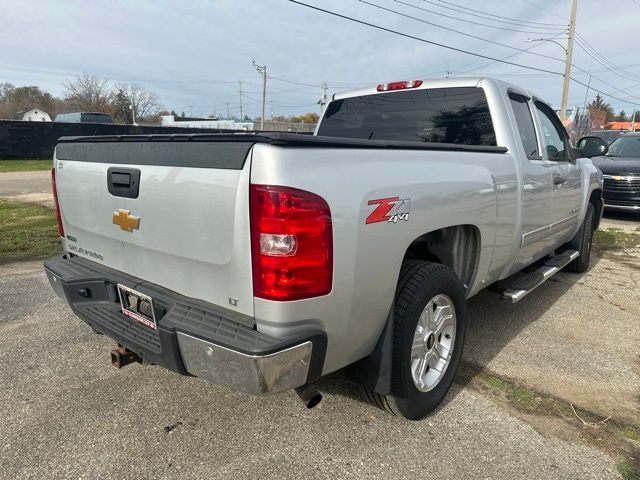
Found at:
(429, 329)
(582, 242)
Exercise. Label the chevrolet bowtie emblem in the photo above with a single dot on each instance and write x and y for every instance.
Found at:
(617, 179)
(127, 222)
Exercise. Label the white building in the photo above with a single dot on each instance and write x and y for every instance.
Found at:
(190, 122)
(34, 115)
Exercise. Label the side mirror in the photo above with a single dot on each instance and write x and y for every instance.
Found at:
(592, 146)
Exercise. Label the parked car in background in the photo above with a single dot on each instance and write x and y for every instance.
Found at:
(84, 117)
(620, 165)
(608, 135)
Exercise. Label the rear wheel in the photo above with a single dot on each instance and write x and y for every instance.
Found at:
(582, 242)
(429, 328)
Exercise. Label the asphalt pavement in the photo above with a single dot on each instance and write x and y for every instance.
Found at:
(69, 414)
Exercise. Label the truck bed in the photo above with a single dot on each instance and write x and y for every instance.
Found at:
(286, 139)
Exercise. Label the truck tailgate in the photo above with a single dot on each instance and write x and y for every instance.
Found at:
(187, 229)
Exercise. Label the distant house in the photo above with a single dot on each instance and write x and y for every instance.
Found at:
(33, 115)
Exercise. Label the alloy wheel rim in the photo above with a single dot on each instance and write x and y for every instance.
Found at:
(433, 342)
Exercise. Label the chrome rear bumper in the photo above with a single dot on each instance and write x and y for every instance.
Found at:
(254, 374)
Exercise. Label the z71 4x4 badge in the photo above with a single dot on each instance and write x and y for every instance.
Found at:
(389, 210)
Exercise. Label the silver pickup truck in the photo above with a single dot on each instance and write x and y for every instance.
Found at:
(263, 261)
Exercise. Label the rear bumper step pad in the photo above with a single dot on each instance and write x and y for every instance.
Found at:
(193, 337)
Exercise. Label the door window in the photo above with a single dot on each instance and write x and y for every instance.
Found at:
(553, 135)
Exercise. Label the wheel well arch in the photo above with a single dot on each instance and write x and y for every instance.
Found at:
(456, 246)
(596, 199)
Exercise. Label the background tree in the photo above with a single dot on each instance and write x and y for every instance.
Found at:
(598, 104)
(146, 104)
(309, 117)
(15, 99)
(121, 111)
(622, 117)
(88, 93)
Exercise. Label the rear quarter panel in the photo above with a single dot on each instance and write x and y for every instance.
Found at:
(445, 188)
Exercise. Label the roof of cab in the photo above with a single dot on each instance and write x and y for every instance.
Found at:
(437, 83)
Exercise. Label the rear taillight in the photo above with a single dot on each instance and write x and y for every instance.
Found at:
(291, 243)
(385, 87)
(56, 204)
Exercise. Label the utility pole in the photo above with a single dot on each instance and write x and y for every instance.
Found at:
(271, 104)
(240, 91)
(227, 110)
(586, 94)
(323, 101)
(262, 69)
(568, 59)
(133, 113)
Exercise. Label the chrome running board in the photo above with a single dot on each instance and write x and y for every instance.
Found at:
(527, 282)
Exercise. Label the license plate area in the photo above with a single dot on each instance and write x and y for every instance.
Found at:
(137, 306)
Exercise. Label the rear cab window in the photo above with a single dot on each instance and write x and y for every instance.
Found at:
(458, 115)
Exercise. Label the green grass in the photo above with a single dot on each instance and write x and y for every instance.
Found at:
(27, 232)
(24, 165)
(628, 470)
(518, 396)
(615, 238)
(611, 435)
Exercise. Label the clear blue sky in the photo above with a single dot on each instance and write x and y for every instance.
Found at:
(192, 53)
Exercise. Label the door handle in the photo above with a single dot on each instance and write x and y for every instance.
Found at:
(559, 180)
(123, 182)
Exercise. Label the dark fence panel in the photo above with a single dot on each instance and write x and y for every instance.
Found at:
(32, 140)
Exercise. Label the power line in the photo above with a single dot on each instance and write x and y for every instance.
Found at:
(485, 15)
(413, 37)
(471, 22)
(448, 47)
(508, 57)
(601, 59)
(455, 31)
(106, 77)
(295, 83)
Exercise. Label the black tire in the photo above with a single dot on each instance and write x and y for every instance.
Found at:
(582, 243)
(419, 283)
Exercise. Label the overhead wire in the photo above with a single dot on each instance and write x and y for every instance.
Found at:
(423, 40)
(465, 9)
(470, 21)
(448, 47)
(456, 31)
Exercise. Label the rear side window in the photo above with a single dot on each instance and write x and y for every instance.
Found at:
(442, 115)
(524, 122)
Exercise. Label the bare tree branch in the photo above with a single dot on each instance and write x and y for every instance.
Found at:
(89, 93)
